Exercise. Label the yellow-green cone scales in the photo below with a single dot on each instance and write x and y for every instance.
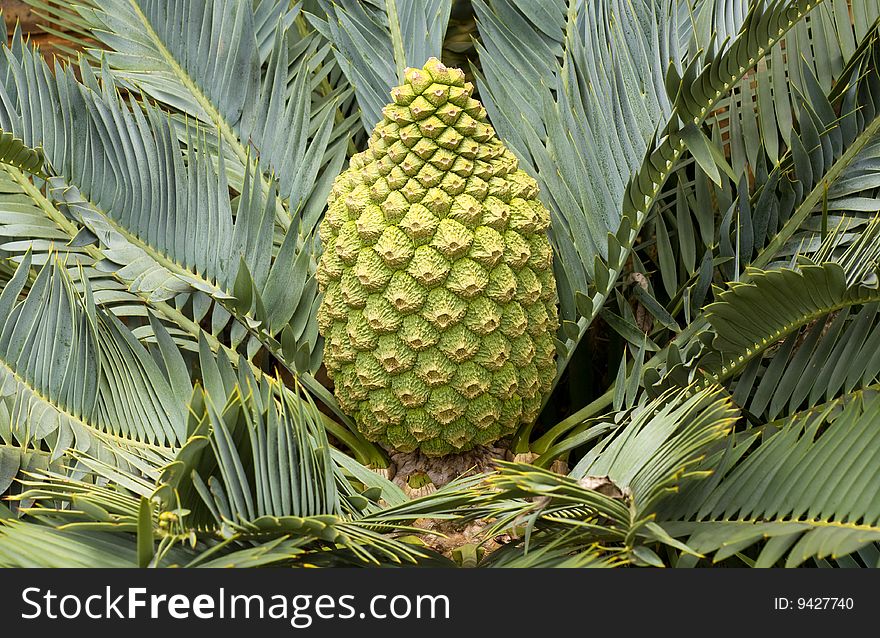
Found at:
(439, 309)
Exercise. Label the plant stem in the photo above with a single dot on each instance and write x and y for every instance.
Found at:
(543, 443)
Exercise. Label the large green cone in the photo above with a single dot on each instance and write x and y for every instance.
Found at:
(439, 309)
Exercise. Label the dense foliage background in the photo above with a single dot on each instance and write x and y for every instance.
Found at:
(712, 170)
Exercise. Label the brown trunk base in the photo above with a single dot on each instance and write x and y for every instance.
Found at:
(443, 469)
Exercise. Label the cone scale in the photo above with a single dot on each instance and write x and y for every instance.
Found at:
(439, 301)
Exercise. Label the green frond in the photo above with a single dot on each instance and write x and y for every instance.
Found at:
(219, 251)
(589, 84)
(375, 41)
(610, 498)
(831, 359)
(805, 491)
(24, 544)
(749, 317)
(256, 473)
(74, 378)
(269, 96)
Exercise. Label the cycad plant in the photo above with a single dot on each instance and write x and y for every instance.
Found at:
(283, 283)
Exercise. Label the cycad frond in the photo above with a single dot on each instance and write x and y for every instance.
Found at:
(611, 496)
(164, 220)
(589, 84)
(265, 96)
(73, 377)
(808, 490)
(258, 468)
(375, 41)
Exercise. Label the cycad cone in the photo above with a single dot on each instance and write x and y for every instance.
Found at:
(439, 308)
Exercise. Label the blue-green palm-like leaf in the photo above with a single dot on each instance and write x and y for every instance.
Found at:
(255, 483)
(828, 178)
(260, 90)
(33, 225)
(202, 58)
(807, 490)
(784, 104)
(749, 316)
(587, 82)
(634, 165)
(828, 360)
(167, 223)
(287, 488)
(802, 318)
(696, 94)
(814, 208)
(262, 465)
(237, 67)
(661, 444)
(74, 377)
(163, 216)
(815, 52)
(605, 507)
(219, 84)
(25, 544)
(658, 109)
(375, 41)
(172, 227)
(28, 544)
(253, 458)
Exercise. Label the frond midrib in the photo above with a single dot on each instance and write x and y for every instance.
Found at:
(733, 366)
(97, 430)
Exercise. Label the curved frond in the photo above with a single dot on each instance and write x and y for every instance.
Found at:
(691, 88)
(71, 376)
(808, 490)
(610, 497)
(285, 444)
(255, 484)
(265, 96)
(240, 69)
(748, 317)
(833, 357)
(165, 220)
(25, 544)
(588, 84)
